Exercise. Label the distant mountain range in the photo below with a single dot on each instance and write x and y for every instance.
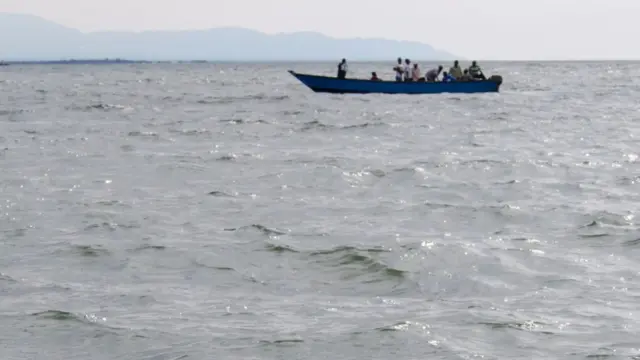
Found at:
(31, 38)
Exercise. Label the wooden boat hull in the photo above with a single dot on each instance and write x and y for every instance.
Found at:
(326, 84)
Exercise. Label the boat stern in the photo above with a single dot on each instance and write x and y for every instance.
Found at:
(496, 79)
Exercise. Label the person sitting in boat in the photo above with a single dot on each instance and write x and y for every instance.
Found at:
(446, 77)
(465, 76)
(415, 73)
(399, 69)
(455, 70)
(476, 72)
(407, 70)
(342, 69)
(432, 75)
(374, 77)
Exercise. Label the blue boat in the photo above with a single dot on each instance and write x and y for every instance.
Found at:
(327, 84)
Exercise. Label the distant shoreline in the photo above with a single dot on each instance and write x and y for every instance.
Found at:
(93, 62)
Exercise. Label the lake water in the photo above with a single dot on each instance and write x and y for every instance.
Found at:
(227, 212)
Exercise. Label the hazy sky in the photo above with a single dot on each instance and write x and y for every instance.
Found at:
(495, 29)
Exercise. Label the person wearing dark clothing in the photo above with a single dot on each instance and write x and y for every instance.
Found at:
(342, 69)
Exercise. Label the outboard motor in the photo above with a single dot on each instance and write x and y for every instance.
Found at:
(496, 78)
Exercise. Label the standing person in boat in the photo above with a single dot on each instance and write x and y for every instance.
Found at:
(476, 72)
(407, 70)
(399, 70)
(432, 75)
(342, 69)
(415, 73)
(455, 70)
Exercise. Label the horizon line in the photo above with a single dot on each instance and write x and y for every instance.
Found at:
(116, 60)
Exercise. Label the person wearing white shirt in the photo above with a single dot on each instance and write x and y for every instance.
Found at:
(399, 70)
(415, 73)
(407, 70)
